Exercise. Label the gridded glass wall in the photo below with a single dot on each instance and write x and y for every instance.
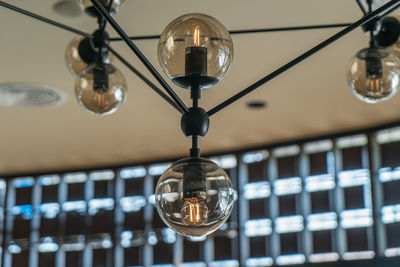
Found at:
(331, 200)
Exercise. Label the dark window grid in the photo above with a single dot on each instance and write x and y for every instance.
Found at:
(164, 253)
(23, 196)
(76, 191)
(354, 197)
(104, 189)
(289, 243)
(393, 235)
(322, 241)
(390, 155)
(357, 239)
(257, 171)
(258, 208)
(225, 248)
(288, 166)
(352, 158)
(133, 256)
(49, 194)
(289, 205)
(318, 163)
(193, 251)
(391, 193)
(134, 186)
(321, 201)
(258, 246)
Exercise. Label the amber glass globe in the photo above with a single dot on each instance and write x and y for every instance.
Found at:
(91, 10)
(101, 89)
(80, 53)
(194, 197)
(195, 44)
(373, 75)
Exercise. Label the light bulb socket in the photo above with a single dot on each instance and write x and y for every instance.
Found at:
(100, 78)
(194, 180)
(195, 122)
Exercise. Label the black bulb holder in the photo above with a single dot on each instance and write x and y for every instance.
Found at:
(194, 177)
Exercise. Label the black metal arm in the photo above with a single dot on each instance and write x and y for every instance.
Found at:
(46, 20)
(249, 31)
(139, 54)
(302, 57)
(144, 79)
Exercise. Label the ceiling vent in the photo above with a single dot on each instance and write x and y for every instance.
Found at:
(30, 95)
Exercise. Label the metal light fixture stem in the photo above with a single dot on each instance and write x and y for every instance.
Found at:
(140, 55)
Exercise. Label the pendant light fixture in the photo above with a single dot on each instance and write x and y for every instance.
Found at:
(100, 87)
(194, 196)
(373, 74)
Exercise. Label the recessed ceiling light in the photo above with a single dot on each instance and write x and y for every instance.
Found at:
(68, 8)
(30, 95)
(256, 104)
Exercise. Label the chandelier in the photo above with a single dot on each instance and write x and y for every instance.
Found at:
(194, 196)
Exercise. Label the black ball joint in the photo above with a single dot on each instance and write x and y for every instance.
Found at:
(389, 32)
(89, 47)
(195, 122)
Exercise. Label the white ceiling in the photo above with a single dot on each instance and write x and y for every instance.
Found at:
(310, 99)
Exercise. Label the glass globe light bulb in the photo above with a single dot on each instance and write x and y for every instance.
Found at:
(195, 44)
(101, 89)
(194, 197)
(373, 75)
(80, 53)
(91, 10)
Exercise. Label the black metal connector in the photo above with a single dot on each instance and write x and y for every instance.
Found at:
(389, 32)
(195, 122)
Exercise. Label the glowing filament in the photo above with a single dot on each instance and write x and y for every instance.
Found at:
(374, 84)
(196, 36)
(194, 211)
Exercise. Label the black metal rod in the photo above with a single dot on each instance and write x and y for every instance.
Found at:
(302, 57)
(391, 10)
(249, 31)
(46, 20)
(139, 54)
(362, 7)
(145, 80)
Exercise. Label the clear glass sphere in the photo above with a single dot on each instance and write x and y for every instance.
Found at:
(374, 75)
(73, 57)
(194, 197)
(91, 10)
(192, 31)
(101, 89)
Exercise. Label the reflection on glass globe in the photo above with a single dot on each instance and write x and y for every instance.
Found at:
(374, 75)
(91, 10)
(195, 44)
(80, 53)
(194, 197)
(101, 89)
